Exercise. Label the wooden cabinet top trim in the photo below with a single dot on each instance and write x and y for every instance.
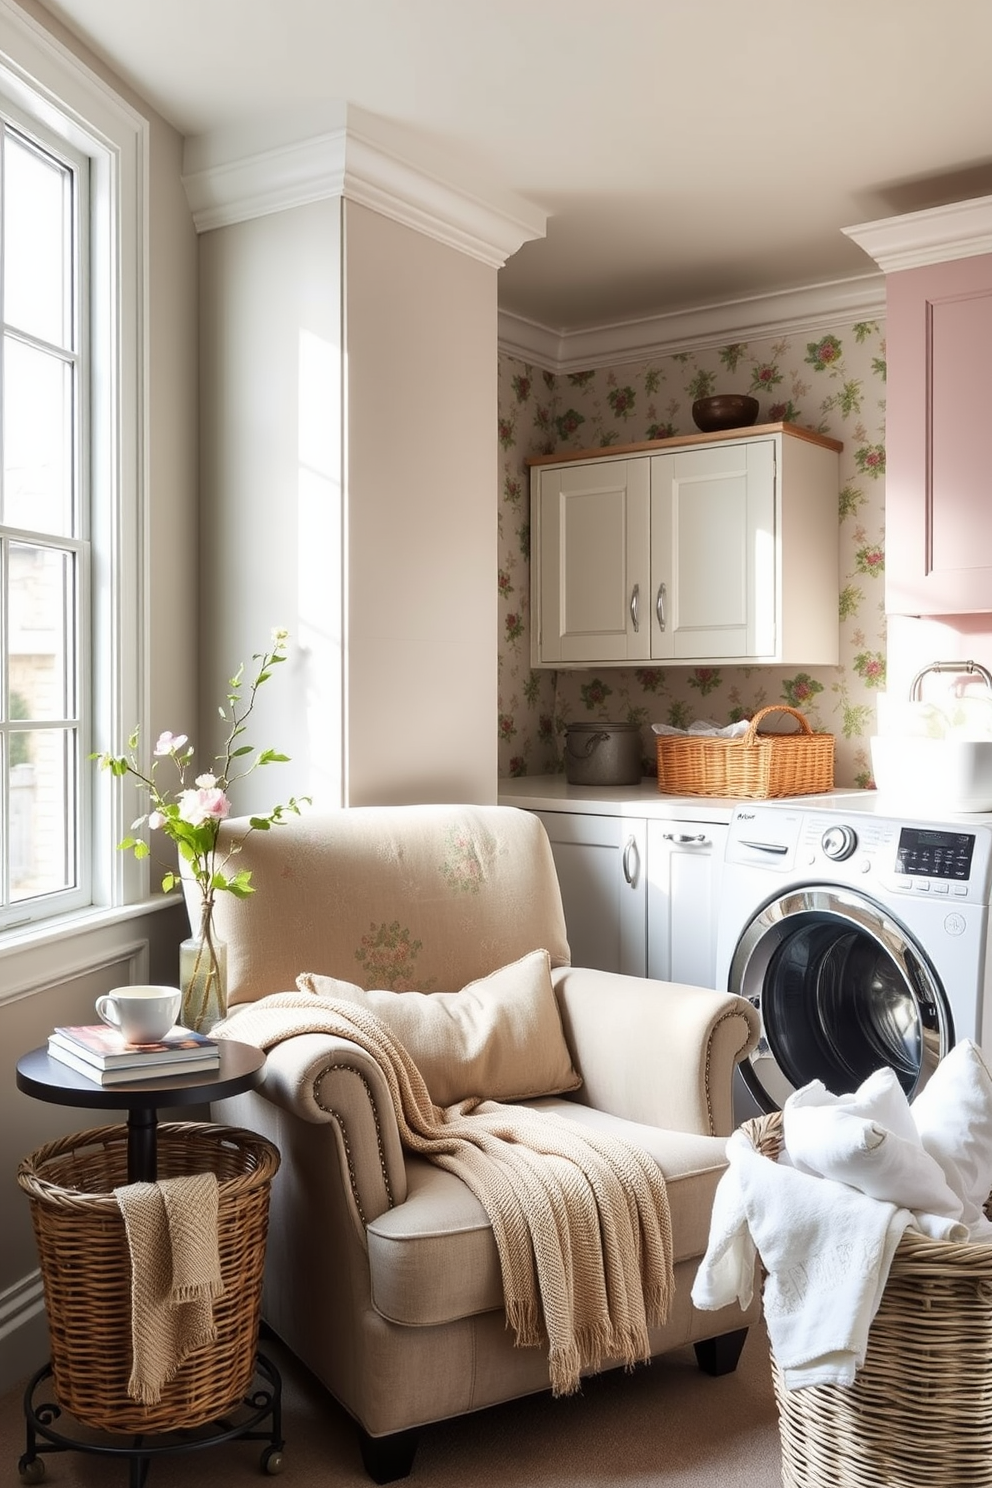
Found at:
(645, 446)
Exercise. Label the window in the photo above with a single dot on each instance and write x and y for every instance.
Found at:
(43, 509)
(73, 163)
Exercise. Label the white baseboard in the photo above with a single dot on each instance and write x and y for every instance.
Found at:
(23, 1331)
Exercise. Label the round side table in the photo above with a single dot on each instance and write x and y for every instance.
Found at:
(241, 1068)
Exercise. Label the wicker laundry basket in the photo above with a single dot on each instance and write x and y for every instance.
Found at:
(756, 766)
(86, 1271)
(920, 1409)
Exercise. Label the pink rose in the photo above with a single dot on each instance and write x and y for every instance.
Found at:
(199, 806)
(169, 743)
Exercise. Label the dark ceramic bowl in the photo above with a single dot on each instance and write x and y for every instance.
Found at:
(724, 411)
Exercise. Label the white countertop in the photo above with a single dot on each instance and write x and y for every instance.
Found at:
(553, 793)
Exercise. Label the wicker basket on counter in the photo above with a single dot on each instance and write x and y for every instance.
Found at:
(920, 1408)
(754, 767)
(86, 1271)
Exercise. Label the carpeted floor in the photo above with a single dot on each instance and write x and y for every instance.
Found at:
(666, 1425)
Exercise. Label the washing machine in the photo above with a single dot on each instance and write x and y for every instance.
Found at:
(861, 939)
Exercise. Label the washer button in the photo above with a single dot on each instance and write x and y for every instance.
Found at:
(941, 888)
(954, 924)
(922, 886)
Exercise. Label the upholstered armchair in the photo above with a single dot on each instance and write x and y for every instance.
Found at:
(382, 1272)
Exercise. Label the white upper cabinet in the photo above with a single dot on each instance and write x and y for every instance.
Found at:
(715, 548)
(593, 571)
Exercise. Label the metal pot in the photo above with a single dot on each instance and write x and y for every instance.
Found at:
(603, 754)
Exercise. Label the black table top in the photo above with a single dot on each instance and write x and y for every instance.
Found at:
(241, 1068)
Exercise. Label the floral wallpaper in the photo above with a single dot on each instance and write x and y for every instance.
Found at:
(833, 383)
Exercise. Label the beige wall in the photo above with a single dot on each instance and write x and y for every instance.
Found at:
(421, 393)
(348, 369)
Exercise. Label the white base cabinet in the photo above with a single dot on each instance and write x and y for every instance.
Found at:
(601, 862)
(685, 862)
(714, 548)
(640, 896)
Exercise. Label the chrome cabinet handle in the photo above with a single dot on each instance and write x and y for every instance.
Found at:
(633, 607)
(684, 837)
(630, 857)
(659, 606)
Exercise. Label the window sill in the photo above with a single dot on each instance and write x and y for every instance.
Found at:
(81, 922)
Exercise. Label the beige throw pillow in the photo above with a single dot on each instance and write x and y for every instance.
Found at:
(499, 1038)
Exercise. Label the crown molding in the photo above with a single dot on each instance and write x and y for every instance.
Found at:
(936, 235)
(813, 308)
(346, 162)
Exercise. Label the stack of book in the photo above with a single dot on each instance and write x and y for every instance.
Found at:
(102, 1054)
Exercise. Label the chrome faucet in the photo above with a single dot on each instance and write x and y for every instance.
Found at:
(948, 666)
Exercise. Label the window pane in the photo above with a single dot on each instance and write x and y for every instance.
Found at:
(36, 277)
(42, 795)
(41, 627)
(37, 413)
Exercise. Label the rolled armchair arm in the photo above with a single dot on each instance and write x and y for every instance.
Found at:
(322, 1078)
(657, 1052)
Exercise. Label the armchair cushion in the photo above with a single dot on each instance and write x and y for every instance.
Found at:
(433, 1258)
(500, 1038)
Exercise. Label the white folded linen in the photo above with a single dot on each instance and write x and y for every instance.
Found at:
(953, 1117)
(880, 1098)
(831, 1142)
(826, 1248)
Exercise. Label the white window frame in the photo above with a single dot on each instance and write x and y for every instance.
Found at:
(48, 85)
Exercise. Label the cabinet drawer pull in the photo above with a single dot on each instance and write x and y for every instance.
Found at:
(685, 837)
(659, 606)
(630, 863)
(633, 607)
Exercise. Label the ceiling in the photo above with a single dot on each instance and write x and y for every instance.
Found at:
(686, 154)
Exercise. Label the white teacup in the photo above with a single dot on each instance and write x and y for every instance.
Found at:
(142, 1014)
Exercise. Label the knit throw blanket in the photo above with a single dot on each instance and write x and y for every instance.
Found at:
(581, 1220)
(171, 1229)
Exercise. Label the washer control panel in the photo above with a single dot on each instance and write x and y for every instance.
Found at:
(936, 860)
(925, 852)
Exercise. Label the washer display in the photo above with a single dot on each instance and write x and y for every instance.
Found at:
(862, 942)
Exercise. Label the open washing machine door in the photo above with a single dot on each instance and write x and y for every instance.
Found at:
(842, 990)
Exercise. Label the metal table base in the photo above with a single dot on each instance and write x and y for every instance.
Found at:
(243, 1422)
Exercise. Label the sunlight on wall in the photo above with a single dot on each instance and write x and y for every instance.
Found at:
(321, 567)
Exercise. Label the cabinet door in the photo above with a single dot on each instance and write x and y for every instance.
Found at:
(590, 525)
(685, 863)
(601, 862)
(713, 551)
(938, 517)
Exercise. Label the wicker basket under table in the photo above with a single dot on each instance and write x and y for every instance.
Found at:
(754, 767)
(920, 1409)
(86, 1271)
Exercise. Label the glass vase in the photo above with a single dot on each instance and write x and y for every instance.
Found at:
(203, 977)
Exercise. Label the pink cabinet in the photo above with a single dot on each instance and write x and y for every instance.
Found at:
(938, 494)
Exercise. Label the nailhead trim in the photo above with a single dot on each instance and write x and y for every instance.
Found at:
(730, 1013)
(343, 1127)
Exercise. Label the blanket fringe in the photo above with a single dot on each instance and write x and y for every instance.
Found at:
(565, 1368)
(524, 1317)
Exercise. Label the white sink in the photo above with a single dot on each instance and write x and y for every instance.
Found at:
(945, 774)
